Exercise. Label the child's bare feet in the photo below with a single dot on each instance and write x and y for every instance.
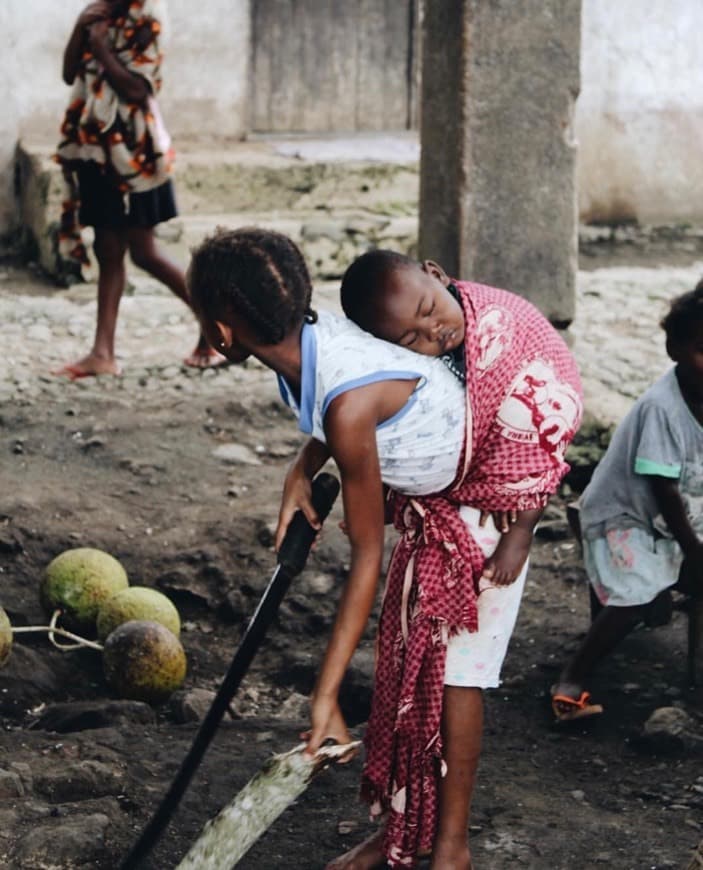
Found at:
(570, 702)
(204, 356)
(365, 856)
(89, 366)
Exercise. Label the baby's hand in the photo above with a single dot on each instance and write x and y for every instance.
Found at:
(501, 519)
(505, 565)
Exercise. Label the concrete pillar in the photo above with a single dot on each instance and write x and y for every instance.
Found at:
(497, 182)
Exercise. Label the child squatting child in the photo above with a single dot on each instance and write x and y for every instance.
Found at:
(523, 406)
(642, 513)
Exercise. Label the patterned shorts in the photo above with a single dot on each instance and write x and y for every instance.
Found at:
(629, 567)
(474, 659)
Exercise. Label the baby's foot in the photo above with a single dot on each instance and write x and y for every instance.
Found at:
(365, 856)
(204, 356)
(89, 366)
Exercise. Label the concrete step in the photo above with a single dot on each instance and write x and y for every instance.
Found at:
(337, 196)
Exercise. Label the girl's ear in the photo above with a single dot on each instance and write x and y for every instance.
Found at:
(436, 271)
(222, 335)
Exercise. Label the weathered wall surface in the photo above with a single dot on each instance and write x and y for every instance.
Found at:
(332, 65)
(639, 117)
(206, 73)
(497, 193)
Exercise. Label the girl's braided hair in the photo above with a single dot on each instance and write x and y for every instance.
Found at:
(256, 274)
(685, 315)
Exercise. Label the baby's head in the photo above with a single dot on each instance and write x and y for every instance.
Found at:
(683, 326)
(248, 287)
(400, 300)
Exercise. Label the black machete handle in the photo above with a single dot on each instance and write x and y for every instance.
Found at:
(300, 534)
(291, 561)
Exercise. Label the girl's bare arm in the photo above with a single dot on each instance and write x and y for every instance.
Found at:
(78, 40)
(351, 431)
(73, 54)
(130, 87)
(666, 492)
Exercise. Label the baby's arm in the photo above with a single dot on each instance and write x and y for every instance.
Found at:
(505, 565)
(668, 497)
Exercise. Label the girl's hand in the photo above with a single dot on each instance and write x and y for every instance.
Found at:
(327, 723)
(297, 495)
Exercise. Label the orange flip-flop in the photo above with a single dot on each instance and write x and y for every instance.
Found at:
(579, 708)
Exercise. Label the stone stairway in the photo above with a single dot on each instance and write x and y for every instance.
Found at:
(336, 196)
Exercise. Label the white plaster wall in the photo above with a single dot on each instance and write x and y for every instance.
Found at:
(639, 117)
(206, 73)
(9, 116)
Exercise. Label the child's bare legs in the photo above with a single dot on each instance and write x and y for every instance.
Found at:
(146, 255)
(607, 630)
(462, 728)
(110, 246)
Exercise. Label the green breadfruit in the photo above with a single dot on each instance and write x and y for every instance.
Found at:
(77, 582)
(5, 637)
(137, 602)
(144, 661)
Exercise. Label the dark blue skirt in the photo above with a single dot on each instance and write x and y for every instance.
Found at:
(102, 204)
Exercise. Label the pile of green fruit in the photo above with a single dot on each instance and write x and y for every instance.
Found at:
(86, 590)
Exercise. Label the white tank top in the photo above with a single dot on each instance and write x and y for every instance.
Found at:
(420, 446)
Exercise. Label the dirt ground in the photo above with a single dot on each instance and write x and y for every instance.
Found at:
(92, 465)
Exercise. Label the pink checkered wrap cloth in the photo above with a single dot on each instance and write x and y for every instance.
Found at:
(523, 407)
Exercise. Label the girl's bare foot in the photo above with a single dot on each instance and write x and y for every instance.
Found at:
(365, 856)
(204, 356)
(451, 857)
(570, 701)
(89, 366)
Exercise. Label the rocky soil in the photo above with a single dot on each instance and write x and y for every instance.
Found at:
(177, 474)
